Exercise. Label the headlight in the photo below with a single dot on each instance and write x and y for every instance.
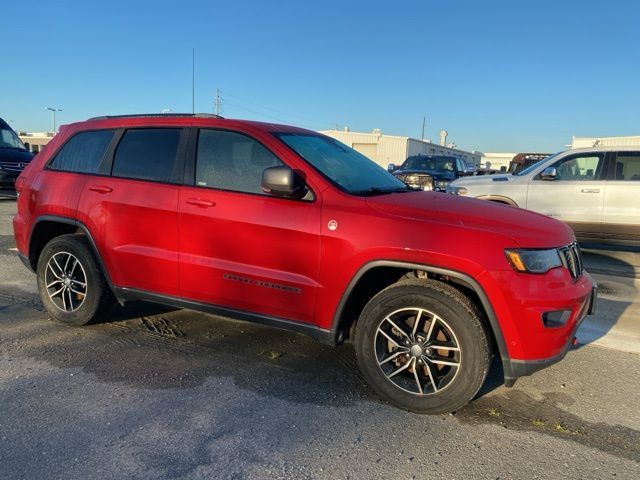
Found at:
(442, 183)
(534, 261)
(457, 190)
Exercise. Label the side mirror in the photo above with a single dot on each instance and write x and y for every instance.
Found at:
(469, 170)
(549, 173)
(283, 182)
(391, 168)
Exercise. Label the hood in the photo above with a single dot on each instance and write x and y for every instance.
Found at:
(436, 174)
(527, 229)
(13, 155)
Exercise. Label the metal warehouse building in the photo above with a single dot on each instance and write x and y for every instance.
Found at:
(386, 149)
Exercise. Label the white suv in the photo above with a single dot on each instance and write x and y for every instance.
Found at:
(595, 190)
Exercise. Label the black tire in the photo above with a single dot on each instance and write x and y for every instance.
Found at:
(97, 301)
(445, 388)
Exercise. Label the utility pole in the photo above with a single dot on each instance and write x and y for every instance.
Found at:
(424, 119)
(193, 80)
(53, 110)
(217, 104)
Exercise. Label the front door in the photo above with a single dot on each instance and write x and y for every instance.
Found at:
(239, 247)
(575, 196)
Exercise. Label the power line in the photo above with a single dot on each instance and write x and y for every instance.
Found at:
(280, 112)
(277, 119)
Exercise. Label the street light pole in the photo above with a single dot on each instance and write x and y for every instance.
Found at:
(54, 110)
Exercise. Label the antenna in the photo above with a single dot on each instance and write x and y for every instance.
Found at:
(193, 80)
(424, 119)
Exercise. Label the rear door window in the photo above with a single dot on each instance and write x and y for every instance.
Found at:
(83, 152)
(627, 166)
(149, 154)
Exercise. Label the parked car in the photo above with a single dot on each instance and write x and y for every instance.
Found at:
(290, 228)
(431, 172)
(593, 190)
(523, 160)
(14, 156)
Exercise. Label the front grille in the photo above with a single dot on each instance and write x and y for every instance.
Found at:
(572, 259)
(13, 167)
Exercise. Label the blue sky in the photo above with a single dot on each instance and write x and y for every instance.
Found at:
(499, 76)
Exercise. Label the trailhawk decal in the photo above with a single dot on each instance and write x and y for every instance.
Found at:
(262, 283)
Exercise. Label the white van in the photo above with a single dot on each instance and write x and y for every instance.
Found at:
(594, 190)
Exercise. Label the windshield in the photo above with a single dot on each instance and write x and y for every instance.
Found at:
(9, 139)
(531, 168)
(421, 162)
(343, 166)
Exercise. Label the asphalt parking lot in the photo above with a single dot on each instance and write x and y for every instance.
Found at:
(160, 393)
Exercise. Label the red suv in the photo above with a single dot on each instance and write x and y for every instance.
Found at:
(290, 228)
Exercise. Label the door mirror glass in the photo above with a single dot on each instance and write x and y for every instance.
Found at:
(282, 181)
(549, 173)
(391, 167)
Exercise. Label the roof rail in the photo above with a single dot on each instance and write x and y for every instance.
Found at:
(195, 115)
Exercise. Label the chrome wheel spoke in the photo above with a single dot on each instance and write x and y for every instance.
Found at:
(386, 335)
(441, 346)
(404, 334)
(76, 282)
(58, 265)
(430, 374)
(434, 320)
(76, 291)
(401, 369)
(53, 271)
(416, 322)
(415, 375)
(73, 269)
(438, 360)
(391, 357)
(57, 280)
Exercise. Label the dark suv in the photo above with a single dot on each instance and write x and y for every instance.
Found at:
(14, 156)
(290, 228)
(431, 172)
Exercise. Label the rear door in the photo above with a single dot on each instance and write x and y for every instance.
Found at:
(242, 248)
(132, 212)
(576, 195)
(621, 213)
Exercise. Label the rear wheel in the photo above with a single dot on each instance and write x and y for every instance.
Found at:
(71, 284)
(422, 346)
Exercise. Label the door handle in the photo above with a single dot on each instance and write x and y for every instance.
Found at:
(100, 189)
(590, 190)
(201, 202)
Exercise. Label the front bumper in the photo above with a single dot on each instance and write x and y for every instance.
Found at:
(514, 368)
(7, 180)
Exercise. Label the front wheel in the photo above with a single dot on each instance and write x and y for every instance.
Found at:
(422, 346)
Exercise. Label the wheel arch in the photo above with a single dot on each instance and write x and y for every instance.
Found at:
(344, 319)
(48, 227)
(499, 199)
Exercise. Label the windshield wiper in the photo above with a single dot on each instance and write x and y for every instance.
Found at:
(382, 191)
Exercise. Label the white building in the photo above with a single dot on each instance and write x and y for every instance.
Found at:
(34, 141)
(586, 142)
(386, 149)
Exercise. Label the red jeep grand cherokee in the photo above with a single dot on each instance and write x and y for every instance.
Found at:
(287, 227)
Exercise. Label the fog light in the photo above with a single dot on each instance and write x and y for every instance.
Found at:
(556, 318)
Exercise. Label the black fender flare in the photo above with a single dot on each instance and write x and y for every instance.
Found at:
(80, 226)
(462, 277)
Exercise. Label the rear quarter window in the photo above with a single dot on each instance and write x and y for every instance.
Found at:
(83, 152)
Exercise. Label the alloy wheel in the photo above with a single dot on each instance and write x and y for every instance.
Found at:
(66, 281)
